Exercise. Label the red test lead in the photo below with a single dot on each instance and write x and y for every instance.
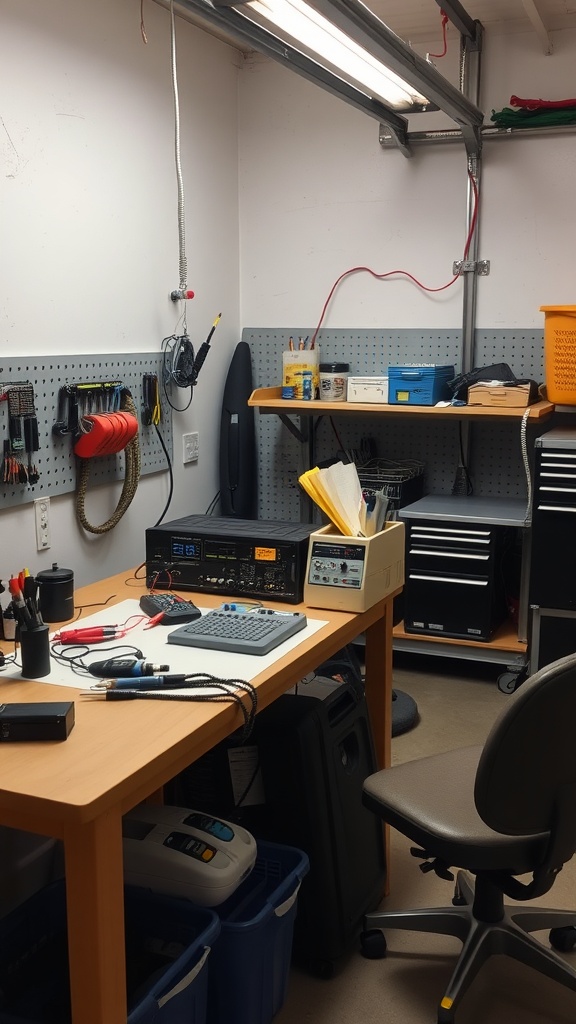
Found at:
(89, 635)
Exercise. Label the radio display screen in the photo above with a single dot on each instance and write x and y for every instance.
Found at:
(185, 548)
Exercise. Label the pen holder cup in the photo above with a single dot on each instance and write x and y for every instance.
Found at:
(301, 370)
(35, 652)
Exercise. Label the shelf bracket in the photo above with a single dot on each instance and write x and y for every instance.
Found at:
(480, 267)
(301, 433)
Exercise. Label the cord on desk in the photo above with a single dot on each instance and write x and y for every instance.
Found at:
(228, 692)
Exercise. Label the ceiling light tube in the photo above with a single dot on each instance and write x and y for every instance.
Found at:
(318, 38)
(366, 31)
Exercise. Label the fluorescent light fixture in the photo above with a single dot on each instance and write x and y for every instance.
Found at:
(312, 34)
(372, 68)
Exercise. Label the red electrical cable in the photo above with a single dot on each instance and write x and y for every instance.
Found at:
(405, 273)
(444, 39)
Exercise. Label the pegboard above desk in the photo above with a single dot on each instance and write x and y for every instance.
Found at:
(55, 459)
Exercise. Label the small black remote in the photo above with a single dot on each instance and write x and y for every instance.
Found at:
(175, 609)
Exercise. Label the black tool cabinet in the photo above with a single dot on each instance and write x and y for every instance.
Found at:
(553, 555)
(455, 580)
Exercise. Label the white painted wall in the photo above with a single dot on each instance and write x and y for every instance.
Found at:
(320, 196)
(286, 189)
(89, 250)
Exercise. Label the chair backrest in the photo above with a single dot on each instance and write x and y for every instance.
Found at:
(527, 771)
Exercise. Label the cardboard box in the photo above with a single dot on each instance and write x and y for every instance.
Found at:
(495, 395)
(350, 574)
(368, 389)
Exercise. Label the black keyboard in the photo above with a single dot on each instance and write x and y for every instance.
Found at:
(255, 632)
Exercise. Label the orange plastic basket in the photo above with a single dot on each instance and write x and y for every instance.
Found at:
(560, 353)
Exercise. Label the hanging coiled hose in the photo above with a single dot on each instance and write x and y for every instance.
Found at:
(131, 479)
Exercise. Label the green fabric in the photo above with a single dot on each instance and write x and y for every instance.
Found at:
(509, 118)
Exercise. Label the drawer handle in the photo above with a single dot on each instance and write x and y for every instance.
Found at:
(556, 508)
(447, 554)
(449, 579)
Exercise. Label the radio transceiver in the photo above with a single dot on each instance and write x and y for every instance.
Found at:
(232, 557)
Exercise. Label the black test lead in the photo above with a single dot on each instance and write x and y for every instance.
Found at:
(144, 683)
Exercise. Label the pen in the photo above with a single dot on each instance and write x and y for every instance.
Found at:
(144, 683)
(19, 605)
(135, 695)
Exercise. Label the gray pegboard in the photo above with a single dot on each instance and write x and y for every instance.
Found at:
(522, 350)
(496, 463)
(55, 459)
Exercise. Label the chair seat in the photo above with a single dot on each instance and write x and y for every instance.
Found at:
(431, 801)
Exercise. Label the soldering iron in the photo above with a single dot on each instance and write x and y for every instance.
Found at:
(146, 683)
(125, 667)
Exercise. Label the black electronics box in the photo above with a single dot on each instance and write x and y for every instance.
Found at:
(298, 781)
(52, 720)
(233, 557)
(456, 577)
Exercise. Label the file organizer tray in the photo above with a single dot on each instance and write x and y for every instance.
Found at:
(250, 964)
(419, 385)
(167, 946)
(401, 482)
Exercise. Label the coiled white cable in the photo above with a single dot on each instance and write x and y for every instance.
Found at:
(526, 461)
(182, 261)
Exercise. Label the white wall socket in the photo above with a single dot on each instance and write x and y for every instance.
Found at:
(190, 447)
(42, 516)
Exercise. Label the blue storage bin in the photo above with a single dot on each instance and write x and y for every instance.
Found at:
(167, 947)
(250, 964)
(419, 385)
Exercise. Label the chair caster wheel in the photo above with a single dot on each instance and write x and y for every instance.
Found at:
(563, 939)
(507, 682)
(373, 944)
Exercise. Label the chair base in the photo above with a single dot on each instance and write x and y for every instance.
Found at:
(505, 932)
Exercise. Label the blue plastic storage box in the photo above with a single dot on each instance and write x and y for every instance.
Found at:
(250, 964)
(167, 947)
(419, 385)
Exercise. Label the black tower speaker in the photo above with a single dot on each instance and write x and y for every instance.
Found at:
(298, 781)
(238, 466)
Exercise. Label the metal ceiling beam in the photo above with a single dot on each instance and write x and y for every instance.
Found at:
(459, 18)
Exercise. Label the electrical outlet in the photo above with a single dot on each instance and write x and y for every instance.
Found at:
(42, 517)
(190, 447)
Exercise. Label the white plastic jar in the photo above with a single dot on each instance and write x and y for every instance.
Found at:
(333, 381)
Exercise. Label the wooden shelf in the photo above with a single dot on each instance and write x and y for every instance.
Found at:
(269, 400)
(503, 649)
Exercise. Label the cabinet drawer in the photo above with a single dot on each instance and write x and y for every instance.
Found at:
(452, 606)
(456, 563)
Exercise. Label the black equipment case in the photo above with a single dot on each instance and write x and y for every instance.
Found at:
(310, 755)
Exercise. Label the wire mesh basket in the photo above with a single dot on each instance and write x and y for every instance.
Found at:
(401, 482)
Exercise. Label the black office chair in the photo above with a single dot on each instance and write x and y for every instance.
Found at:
(499, 811)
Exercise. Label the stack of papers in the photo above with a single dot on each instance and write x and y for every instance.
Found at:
(338, 493)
